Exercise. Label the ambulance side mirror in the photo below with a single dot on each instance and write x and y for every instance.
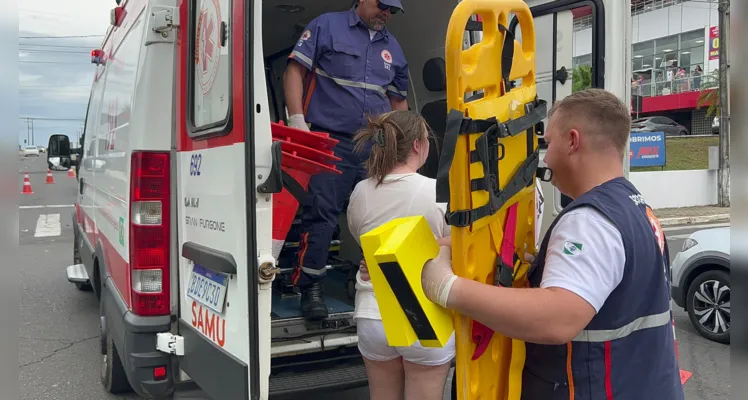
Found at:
(58, 151)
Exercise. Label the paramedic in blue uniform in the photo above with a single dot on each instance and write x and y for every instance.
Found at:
(596, 320)
(345, 67)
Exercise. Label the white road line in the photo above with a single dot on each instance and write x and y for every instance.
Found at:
(50, 206)
(48, 225)
(679, 237)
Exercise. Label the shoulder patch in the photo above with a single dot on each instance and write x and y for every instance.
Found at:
(572, 248)
(306, 35)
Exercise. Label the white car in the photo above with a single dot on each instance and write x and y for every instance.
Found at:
(701, 282)
(30, 151)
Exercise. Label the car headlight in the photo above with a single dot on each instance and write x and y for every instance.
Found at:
(688, 244)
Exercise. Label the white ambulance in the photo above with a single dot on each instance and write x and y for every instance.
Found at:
(177, 176)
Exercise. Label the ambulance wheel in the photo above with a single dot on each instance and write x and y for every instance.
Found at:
(113, 375)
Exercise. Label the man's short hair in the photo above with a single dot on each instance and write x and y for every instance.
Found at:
(596, 112)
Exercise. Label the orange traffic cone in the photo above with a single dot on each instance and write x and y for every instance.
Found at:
(50, 178)
(27, 185)
(71, 173)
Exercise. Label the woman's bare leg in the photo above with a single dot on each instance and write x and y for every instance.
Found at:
(425, 382)
(386, 379)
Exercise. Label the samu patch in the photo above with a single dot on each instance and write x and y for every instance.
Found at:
(572, 248)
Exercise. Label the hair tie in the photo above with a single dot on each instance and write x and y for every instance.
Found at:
(379, 137)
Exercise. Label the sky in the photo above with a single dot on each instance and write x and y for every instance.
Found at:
(55, 73)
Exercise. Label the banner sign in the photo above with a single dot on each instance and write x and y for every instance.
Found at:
(647, 149)
(714, 43)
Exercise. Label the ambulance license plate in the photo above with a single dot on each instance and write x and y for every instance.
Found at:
(208, 288)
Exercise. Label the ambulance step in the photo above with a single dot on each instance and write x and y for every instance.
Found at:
(339, 377)
(77, 274)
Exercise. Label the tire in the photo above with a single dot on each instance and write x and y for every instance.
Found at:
(701, 305)
(113, 376)
(683, 133)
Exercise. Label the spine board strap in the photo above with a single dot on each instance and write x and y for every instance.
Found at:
(507, 265)
(489, 152)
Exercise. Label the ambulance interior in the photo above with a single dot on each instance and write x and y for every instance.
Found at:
(420, 31)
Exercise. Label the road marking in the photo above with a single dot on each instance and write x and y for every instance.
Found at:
(679, 237)
(50, 206)
(695, 227)
(48, 225)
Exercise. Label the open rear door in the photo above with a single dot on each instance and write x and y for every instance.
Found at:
(223, 228)
(570, 57)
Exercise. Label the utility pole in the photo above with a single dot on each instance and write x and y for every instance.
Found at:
(723, 174)
(33, 141)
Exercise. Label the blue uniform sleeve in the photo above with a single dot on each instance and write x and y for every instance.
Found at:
(307, 47)
(399, 86)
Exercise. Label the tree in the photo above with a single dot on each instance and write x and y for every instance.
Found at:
(581, 77)
(709, 94)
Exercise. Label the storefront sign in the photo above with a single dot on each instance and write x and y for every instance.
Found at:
(714, 43)
(647, 149)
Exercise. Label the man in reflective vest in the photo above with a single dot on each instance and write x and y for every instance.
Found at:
(344, 67)
(597, 320)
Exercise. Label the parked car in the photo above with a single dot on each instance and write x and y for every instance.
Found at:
(701, 282)
(30, 151)
(715, 125)
(658, 124)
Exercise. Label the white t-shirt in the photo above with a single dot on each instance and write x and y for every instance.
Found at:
(585, 255)
(400, 195)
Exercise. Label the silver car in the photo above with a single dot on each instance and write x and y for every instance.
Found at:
(701, 282)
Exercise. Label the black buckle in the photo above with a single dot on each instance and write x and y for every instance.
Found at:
(505, 273)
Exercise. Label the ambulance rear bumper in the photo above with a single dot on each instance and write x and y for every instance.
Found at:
(135, 339)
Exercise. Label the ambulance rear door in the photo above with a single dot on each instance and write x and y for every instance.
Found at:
(224, 226)
(580, 44)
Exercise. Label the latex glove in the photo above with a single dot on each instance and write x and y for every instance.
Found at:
(297, 121)
(437, 277)
(363, 270)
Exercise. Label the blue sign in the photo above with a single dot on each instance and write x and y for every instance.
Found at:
(647, 149)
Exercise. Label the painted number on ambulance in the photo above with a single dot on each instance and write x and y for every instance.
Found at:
(195, 162)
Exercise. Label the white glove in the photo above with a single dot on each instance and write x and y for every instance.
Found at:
(297, 121)
(437, 277)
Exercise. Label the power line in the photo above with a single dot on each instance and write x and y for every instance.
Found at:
(52, 119)
(59, 37)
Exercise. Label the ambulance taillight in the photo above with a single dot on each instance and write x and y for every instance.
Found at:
(150, 232)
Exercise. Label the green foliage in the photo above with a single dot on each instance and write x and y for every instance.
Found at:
(581, 77)
(709, 94)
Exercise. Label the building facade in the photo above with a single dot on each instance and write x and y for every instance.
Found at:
(674, 53)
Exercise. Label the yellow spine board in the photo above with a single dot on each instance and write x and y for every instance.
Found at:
(497, 374)
(395, 254)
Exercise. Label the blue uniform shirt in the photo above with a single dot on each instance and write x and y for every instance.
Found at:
(351, 75)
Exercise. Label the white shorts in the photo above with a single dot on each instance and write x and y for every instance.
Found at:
(372, 343)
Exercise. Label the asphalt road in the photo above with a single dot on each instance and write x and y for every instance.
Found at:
(58, 337)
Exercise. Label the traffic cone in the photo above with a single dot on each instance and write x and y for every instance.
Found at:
(71, 173)
(27, 185)
(50, 178)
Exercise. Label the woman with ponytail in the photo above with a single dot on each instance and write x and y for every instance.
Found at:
(399, 143)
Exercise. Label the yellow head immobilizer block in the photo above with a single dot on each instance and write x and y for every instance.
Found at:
(395, 254)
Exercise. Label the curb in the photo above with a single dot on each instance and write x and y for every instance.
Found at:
(697, 219)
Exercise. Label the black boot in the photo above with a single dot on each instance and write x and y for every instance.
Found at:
(313, 302)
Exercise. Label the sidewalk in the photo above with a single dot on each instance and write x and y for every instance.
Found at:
(692, 215)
